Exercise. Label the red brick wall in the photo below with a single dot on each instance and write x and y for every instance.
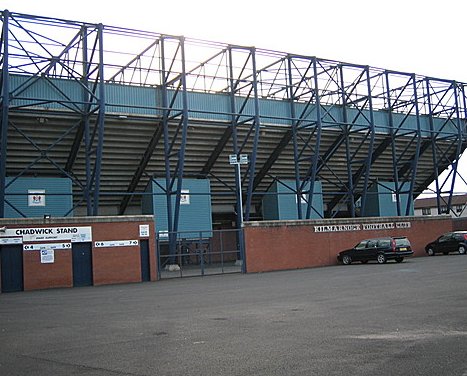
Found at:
(459, 224)
(43, 276)
(281, 245)
(117, 264)
(109, 264)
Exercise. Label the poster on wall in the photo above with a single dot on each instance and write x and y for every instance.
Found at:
(185, 197)
(144, 231)
(36, 197)
(47, 256)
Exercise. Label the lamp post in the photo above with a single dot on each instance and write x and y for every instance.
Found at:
(237, 161)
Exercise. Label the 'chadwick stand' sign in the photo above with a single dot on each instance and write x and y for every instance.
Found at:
(362, 226)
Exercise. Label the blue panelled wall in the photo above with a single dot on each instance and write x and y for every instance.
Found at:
(38, 196)
(195, 207)
(135, 100)
(382, 200)
(280, 203)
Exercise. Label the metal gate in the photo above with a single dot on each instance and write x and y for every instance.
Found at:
(11, 266)
(82, 264)
(200, 253)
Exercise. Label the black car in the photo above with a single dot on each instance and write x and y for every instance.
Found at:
(379, 249)
(449, 242)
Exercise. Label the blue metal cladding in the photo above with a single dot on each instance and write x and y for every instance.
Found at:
(146, 101)
(382, 199)
(36, 197)
(195, 207)
(132, 100)
(280, 202)
(50, 93)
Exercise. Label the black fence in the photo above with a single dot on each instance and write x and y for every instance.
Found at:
(200, 253)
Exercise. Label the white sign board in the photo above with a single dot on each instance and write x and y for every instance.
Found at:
(116, 243)
(46, 246)
(144, 231)
(11, 240)
(233, 159)
(36, 197)
(47, 256)
(185, 197)
(33, 234)
(243, 159)
(163, 234)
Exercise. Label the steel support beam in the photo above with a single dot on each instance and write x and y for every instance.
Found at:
(217, 151)
(146, 157)
(5, 105)
(317, 148)
(371, 152)
(173, 174)
(94, 180)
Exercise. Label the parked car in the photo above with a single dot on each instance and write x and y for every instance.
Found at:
(449, 242)
(379, 249)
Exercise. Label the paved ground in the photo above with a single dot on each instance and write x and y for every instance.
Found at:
(393, 319)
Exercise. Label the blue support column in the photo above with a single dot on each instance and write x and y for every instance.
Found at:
(350, 187)
(433, 145)
(238, 176)
(459, 145)
(5, 97)
(371, 129)
(181, 152)
(165, 124)
(417, 151)
(395, 168)
(100, 123)
(173, 175)
(315, 157)
(294, 124)
(85, 119)
(256, 122)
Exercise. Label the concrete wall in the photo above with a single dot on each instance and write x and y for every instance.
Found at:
(110, 264)
(281, 245)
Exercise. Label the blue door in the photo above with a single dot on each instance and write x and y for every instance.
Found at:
(11, 258)
(145, 270)
(82, 264)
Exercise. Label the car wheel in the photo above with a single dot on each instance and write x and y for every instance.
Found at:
(381, 258)
(461, 250)
(430, 252)
(399, 259)
(346, 260)
(364, 261)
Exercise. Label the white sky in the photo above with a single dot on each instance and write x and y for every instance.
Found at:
(416, 36)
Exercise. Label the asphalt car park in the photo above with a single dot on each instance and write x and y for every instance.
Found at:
(401, 319)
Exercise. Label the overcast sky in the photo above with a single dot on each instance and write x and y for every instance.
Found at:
(416, 36)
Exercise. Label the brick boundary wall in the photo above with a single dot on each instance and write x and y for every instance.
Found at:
(459, 224)
(110, 265)
(283, 245)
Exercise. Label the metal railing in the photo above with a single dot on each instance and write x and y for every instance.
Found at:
(200, 253)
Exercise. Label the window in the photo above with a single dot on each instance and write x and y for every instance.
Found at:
(371, 244)
(361, 245)
(384, 243)
(426, 211)
(459, 208)
(444, 209)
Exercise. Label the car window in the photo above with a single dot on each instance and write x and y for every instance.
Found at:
(444, 238)
(361, 245)
(459, 237)
(402, 242)
(384, 243)
(371, 244)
